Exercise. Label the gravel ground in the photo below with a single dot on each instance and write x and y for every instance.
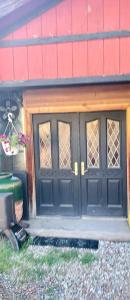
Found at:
(107, 278)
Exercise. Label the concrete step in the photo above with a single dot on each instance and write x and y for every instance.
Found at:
(112, 229)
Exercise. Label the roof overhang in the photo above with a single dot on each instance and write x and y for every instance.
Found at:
(14, 13)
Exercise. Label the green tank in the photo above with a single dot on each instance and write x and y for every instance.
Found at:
(12, 184)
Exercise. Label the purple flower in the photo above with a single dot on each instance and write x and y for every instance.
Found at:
(15, 139)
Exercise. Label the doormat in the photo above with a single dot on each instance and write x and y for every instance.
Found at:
(66, 242)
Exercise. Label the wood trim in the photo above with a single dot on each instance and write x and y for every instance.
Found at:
(80, 99)
(30, 160)
(60, 82)
(128, 161)
(64, 39)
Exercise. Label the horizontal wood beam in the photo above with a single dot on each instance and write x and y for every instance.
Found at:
(64, 39)
(23, 84)
(77, 99)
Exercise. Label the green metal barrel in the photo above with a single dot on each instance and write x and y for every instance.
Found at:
(11, 184)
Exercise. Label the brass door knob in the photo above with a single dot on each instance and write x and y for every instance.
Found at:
(75, 172)
(83, 171)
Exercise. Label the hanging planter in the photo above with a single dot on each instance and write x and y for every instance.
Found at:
(8, 149)
(12, 140)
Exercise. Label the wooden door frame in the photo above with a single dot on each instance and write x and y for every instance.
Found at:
(74, 99)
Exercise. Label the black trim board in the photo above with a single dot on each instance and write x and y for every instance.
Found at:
(64, 81)
(65, 39)
(41, 8)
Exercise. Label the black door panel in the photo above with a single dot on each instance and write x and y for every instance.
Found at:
(96, 143)
(103, 152)
(57, 188)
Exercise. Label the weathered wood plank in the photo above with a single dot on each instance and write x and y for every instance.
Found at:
(124, 55)
(20, 56)
(64, 60)
(35, 68)
(34, 30)
(95, 58)
(63, 11)
(6, 64)
(111, 56)
(76, 94)
(95, 15)
(79, 16)
(80, 61)
(49, 23)
(49, 61)
(124, 14)
(49, 52)
(111, 14)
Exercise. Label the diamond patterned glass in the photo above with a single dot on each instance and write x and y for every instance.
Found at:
(92, 132)
(113, 144)
(45, 145)
(64, 146)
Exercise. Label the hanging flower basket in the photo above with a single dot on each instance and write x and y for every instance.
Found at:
(8, 149)
(12, 140)
(12, 143)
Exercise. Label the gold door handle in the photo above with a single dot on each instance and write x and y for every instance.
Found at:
(75, 172)
(83, 171)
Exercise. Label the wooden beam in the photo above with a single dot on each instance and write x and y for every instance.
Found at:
(64, 39)
(29, 157)
(128, 162)
(60, 82)
(85, 98)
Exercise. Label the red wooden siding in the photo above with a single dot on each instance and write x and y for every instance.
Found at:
(77, 59)
(125, 14)
(80, 61)
(111, 15)
(125, 55)
(79, 17)
(111, 57)
(7, 63)
(20, 55)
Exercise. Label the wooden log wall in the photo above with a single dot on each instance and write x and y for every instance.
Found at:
(100, 57)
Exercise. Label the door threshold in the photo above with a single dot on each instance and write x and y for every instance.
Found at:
(114, 229)
(56, 217)
(113, 218)
(80, 217)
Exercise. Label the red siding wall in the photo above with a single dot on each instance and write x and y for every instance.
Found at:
(77, 59)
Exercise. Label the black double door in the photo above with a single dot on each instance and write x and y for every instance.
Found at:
(80, 164)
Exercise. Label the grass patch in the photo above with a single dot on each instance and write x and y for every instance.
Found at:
(88, 258)
(56, 256)
(25, 266)
(49, 259)
(6, 253)
(50, 291)
(69, 255)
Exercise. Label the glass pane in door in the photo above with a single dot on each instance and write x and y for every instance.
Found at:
(92, 135)
(113, 144)
(45, 145)
(64, 145)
